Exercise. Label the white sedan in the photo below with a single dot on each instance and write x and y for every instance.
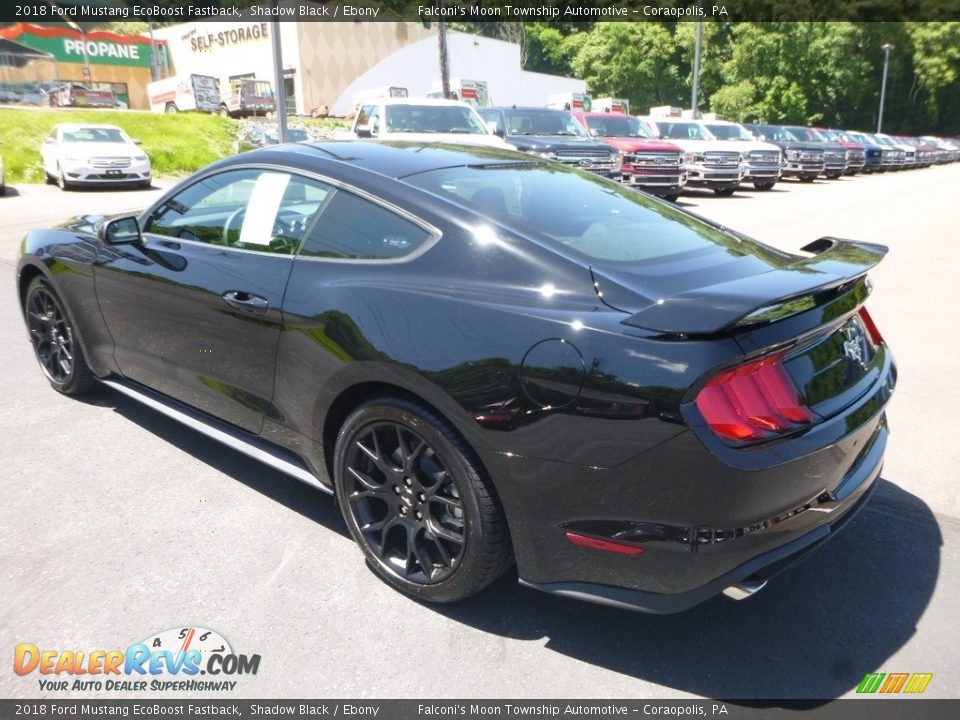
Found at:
(76, 154)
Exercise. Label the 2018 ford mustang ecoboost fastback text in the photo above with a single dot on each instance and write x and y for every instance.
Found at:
(490, 359)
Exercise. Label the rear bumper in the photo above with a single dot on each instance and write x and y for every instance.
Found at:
(706, 517)
(858, 488)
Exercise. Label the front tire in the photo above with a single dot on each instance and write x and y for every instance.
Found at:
(54, 340)
(171, 108)
(416, 502)
(724, 192)
(764, 185)
(62, 179)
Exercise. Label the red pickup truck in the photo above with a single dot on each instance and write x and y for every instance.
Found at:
(652, 165)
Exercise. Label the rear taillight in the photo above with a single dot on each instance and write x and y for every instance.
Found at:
(754, 401)
(871, 327)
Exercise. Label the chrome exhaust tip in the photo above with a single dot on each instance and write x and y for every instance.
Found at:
(746, 587)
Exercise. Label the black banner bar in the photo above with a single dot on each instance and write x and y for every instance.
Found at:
(877, 708)
(481, 10)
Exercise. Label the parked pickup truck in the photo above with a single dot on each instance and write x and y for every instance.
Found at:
(652, 165)
(246, 97)
(856, 152)
(553, 134)
(423, 120)
(763, 161)
(711, 163)
(872, 150)
(803, 160)
(834, 154)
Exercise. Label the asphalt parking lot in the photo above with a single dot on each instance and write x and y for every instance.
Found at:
(117, 523)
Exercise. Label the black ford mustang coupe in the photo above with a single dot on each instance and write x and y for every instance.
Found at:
(490, 359)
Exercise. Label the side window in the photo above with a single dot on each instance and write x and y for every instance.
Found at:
(260, 210)
(492, 116)
(353, 228)
(363, 115)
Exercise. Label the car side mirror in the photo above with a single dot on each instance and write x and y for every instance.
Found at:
(365, 130)
(47, 141)
(137, 142)
(493, 129)
(594, 133)
(123, 230)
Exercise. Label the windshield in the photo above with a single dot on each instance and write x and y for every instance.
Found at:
(730, 132)
(104, 135)
(776, 133)
(532, 121)
(622, 126)
(576, 212)
(807, 134)
(259, 88)
(684, 131)
(433, 119)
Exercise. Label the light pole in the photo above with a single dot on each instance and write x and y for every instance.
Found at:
(154, 69)
(695, 100)
(886, 47)
(87, 78)
(280, 89)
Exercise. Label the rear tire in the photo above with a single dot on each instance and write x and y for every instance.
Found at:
(416, 502)
(54, 339)
(224, 112)
(171, 108)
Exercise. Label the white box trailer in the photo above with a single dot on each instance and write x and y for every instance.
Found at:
(473, 92)
(182, 93)
(666, 111)
(366, 97)
(612, 105)
(570, 101)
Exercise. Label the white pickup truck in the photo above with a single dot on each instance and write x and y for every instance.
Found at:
(763, 161)
(713, 164)
(423, 120)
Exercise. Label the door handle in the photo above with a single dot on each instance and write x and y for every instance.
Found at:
(246, 301)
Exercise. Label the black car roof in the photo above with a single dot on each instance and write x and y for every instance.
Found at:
(392, 158)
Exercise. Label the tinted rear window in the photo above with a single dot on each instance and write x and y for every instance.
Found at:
(598, 219)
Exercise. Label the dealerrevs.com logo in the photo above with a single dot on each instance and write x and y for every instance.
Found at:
(187, 659)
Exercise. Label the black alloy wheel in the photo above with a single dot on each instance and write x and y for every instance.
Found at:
(54, 340)
(415, 502)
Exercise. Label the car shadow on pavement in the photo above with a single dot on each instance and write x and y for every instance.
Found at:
(296, 495)
(812, 633)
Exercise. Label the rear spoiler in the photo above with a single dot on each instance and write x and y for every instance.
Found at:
(764, 297)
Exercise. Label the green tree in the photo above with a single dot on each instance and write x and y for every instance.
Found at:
(631, 60)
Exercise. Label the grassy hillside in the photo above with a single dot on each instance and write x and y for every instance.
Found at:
(176, 144)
